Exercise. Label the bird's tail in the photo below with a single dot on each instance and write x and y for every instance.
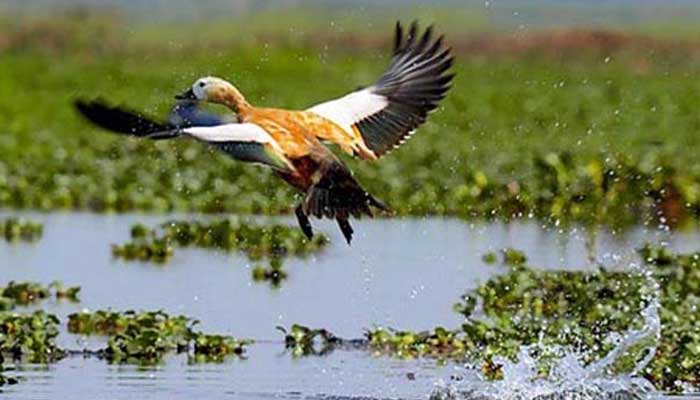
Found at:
(339, 196)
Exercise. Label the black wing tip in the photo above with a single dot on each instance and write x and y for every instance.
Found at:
(415, 40)
(121, 120)
(417, 79)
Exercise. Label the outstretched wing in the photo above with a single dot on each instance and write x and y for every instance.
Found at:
(120, 120)
(385, 114)
(245, 142)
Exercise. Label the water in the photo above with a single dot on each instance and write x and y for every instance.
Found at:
(398, 273)
(570, 379)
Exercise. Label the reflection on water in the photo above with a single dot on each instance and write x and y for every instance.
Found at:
(400, 273)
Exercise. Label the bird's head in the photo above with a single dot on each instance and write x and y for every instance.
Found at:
(209, 89)
(216, 90)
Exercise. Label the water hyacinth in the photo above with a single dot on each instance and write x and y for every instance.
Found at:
(25, 293)
(304, 341)
(216, 348)
(106, 322)
(16, 229)
(581, 311)
(146, 337)
(271, 241)
(439, 342)
(30, 337)
(274, 274)
(4, 379)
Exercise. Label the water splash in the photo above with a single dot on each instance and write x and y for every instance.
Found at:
(571, 378)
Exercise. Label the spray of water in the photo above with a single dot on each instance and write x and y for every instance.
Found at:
(570, 378)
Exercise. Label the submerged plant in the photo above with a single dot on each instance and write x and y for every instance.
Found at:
(14, 229)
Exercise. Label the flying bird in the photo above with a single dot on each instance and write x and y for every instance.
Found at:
(367, 123)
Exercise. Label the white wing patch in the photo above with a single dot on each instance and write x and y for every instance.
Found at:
(352, 108)
(245, 132)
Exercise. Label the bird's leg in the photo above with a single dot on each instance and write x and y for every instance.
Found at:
(304, 223)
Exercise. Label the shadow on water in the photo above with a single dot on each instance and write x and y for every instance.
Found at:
(398, 273)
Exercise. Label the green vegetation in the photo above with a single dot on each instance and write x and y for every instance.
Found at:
(215, 348)
(580, 139)
(145, 337)
(606, 137)
(274, 274)
(25, 293)
(15, 229)
(439, 342)
(273, 241)
(4, 379)
(579, 310)
(304, 341)
(30, 337)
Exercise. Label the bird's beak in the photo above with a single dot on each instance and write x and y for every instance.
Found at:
(186, 95)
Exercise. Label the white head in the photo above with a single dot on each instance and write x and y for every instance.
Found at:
(207, 89)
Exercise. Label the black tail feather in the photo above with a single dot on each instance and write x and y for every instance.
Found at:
(338, 196)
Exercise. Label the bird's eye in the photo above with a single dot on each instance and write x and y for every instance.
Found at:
(202, 84)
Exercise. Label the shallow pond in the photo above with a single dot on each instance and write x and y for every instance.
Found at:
(398, 273)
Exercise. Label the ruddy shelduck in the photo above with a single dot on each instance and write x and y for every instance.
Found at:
(367, 123)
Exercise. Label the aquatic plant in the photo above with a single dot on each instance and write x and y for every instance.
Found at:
(582, 311)
(145, 337)
(271, 241)
(7, 380)
(4, 379)
(439, 342)
(30, 337)
(274, 274)
(677, 359)
(25, 293)
(305, 341)
(106, 322)
(513, 257)
(156, 250)
(62, 292)
(207, 347)
(14, 229)
(489, 258)
(499, 156)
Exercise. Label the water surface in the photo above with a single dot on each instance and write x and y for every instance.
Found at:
(398, 273)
